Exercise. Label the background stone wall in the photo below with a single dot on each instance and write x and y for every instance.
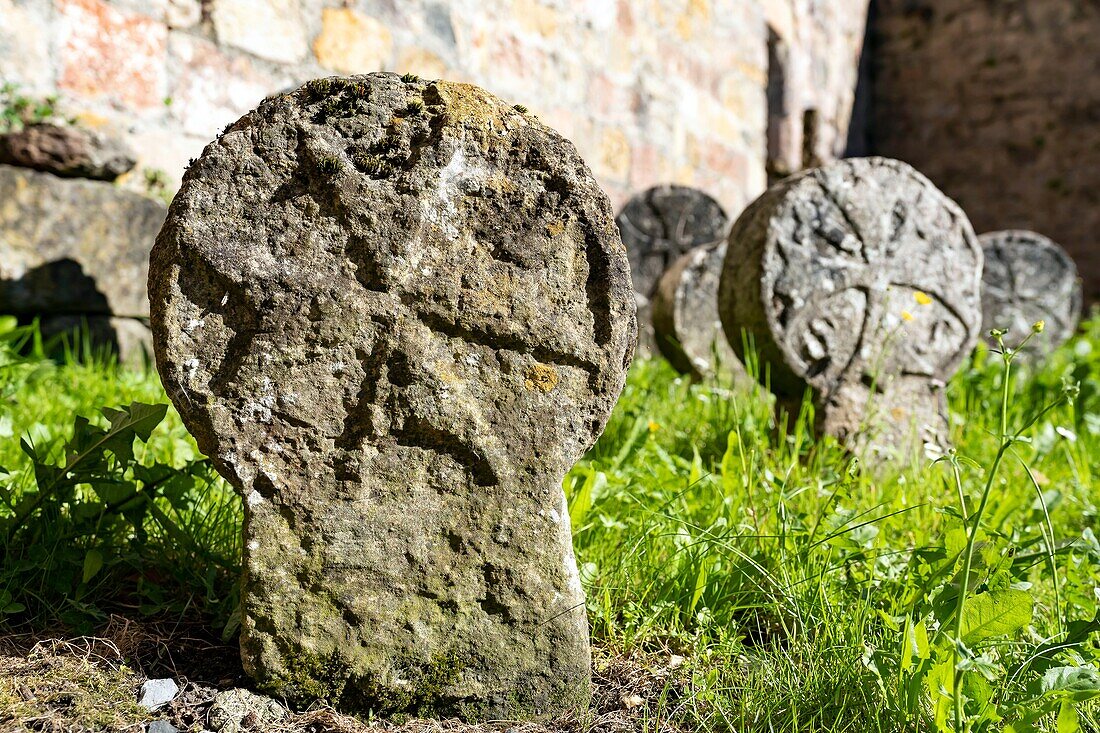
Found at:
(998, 102)
(651, 91)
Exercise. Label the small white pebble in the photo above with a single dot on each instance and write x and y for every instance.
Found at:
(155, 693)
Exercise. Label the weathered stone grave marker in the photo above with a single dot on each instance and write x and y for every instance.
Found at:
(394, 313)
(686, 325)
(861, 280)
(658, 226)
(1028, 278)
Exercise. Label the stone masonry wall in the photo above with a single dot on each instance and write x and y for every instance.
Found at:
(651, 91)
(998, 102)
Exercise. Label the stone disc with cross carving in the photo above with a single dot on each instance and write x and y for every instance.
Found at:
(394, 313)
(686, 326)
(862, 280)
(1028, 278)
(658, 226)
(664, 222)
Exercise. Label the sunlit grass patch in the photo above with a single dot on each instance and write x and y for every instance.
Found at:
(803, 589)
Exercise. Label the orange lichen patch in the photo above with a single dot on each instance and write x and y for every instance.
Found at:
(555, 229)
(541, 377)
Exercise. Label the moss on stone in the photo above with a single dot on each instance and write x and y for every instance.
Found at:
(327, 679)
(307, 678)
(329, 165)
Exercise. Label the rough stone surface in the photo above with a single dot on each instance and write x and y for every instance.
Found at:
(73, 249)
(238, 710)
(1028, 278)
(67, 151)
(686, 325)
(658, 226)
(814, 51)
(161, 726)
(73, 246)
(25, 42)
(861, 280)
(394, 313)
(182, 13)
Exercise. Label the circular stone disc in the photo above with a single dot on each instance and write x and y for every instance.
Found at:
(687, 328)
(1028, 278)
(394, 313)
(661, 224)
(853, 275)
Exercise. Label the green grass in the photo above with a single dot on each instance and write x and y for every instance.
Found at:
(155, 571)
(807, 591)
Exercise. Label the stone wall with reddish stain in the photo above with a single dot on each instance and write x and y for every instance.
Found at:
(651, 91)
(998, 103)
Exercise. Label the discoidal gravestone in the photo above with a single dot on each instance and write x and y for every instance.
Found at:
(861, 280)
(394, 313)
(658, 226)
(1028, 278)
(686, 325)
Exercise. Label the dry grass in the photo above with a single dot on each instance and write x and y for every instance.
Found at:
(73, 686)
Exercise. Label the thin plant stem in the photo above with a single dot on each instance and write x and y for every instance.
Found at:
(975, 526)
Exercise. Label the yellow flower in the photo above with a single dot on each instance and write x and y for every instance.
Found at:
(906, 316)
(653, 427)
(922, 298)
(1038, 326)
